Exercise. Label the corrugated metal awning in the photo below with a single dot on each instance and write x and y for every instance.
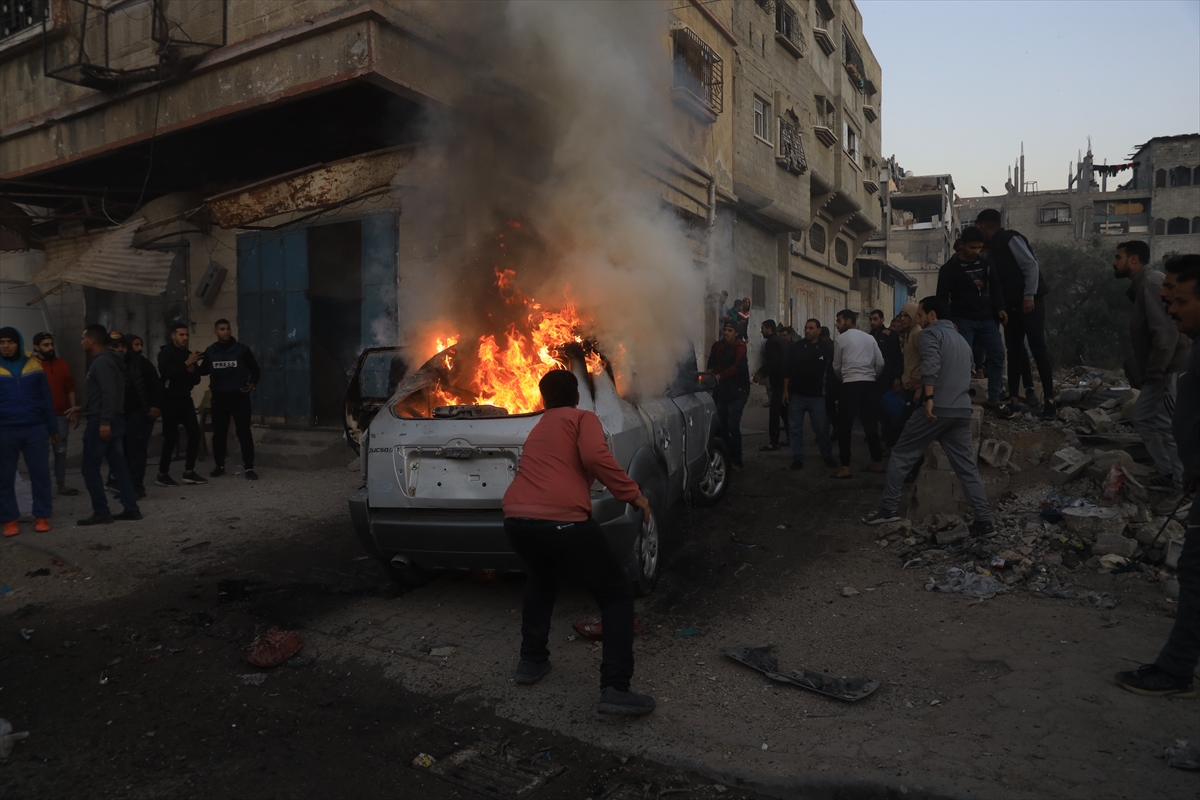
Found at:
(106, 260)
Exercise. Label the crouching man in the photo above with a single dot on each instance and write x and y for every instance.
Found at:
(548, 519)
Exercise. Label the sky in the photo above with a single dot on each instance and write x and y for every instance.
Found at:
(966, 81)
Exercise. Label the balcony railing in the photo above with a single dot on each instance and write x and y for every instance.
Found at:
(698, 71)
(19, 15)
(791, 148)
(787, 29)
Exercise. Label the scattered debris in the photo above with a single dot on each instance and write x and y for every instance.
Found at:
(254, 678)
(689, 631)
(38, 573)
(995, 453)
(965, 580)
(443, 652)
(7, 737)
(1182, 755)
(423, 760)
(493, 770)
(27, 634)
(757, 657)
(849, 591)
(272, 648)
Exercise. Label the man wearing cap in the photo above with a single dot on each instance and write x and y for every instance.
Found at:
(26, 422)
(62, 388)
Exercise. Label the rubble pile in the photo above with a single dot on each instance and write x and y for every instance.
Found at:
(1093, 511)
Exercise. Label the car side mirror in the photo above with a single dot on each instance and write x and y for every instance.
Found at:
(706, 381)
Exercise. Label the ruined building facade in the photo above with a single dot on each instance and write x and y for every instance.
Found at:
(1154, 197)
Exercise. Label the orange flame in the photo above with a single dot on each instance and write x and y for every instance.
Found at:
(507, 372)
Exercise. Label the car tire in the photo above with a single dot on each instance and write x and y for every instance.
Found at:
(405, 578)
(713, 481)
(646, 556)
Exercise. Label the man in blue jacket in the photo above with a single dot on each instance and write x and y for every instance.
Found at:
(233, 373)
(27, 423)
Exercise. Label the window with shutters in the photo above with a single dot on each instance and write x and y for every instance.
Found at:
(816, 238)
(841, 251)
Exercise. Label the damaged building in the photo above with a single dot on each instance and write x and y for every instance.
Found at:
(270, 162)
(1153, 195)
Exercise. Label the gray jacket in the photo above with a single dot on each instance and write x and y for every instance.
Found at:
(1186, 422)
(946, 366)
(105, 396)
(1158, 346)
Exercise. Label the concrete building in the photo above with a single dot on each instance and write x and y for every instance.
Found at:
(806, 147)
(164, 161)
(922, 226)
(1159, 201)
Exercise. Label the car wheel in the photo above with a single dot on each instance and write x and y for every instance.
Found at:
(405, 578)
(712, 483)
(646, 556)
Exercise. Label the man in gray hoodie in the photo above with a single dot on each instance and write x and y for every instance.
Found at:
(1159, 352)
(104, 410)
(945, 381)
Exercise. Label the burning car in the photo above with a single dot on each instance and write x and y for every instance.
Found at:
(439, 451)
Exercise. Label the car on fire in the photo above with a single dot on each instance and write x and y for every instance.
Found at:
(433, 475)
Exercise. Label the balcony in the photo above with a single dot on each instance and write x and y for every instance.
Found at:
(824, 40)
(824, 133)
(787, 29)
(871, 186)
(699, 86)
(869, 113)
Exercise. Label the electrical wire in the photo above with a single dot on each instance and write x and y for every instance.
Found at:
(153, 137)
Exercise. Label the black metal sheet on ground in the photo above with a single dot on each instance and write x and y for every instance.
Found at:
(493, 771)
(757, 657)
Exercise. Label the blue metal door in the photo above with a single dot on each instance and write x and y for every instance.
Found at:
(380, 325)
(273, 320)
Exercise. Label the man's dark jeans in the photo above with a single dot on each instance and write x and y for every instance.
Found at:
(858, 399)
(985, 333)
(179, 411)
(729, 412)
(1031, 326)
(779, 411)
(138, 427)
(95, 450)
(1182, 651)
(236, 406)
(579, 551)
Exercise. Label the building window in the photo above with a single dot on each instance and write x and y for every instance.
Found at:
(17, 15)
(1181, 176)
(816, 238)
(1176, 226)
(699, 70)
(850, 141)
(787, 29)
(1196, 176)
(1054, 215)
(822, 22)
(841, 251)
(1160, 227)
(762, 116)
(791, 149)
(853, 63)
(758, 291)
(1195, 224)
(1160, 179)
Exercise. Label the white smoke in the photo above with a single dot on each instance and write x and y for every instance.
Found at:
(570, 163)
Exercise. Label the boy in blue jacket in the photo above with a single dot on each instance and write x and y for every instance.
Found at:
(27, 423)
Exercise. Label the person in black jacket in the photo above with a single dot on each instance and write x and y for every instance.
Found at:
(970, 284)
(143, 405)
(773, 366)
(1025, 290)
(804, 388)
(179, 368)
(233, 373)
(889, 380)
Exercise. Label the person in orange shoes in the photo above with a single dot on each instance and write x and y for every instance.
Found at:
(27, 423)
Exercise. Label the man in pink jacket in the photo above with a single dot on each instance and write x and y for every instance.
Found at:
(548, 519)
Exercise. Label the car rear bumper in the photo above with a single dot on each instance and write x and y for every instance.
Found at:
(465, 539)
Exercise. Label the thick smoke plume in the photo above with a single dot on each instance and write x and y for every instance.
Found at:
(542, 170)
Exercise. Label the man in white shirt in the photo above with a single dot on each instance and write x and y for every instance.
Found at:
(858, 361)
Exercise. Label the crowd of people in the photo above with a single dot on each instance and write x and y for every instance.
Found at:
(125, 394)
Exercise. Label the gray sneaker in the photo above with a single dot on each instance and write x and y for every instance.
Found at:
(614, 701)
(530, 672)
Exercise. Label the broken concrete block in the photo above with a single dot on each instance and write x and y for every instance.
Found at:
(1089, 522)
(1127, 409)
(1114, 543)
(978, 390)
(955, 534)
(1100, 421)
(1172, 553)
(995, 452)
(902, 527)
(849, 591)
(1067, 465)
(1146, 533)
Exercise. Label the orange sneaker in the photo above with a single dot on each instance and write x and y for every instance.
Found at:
(41, 525)
(11, 529)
